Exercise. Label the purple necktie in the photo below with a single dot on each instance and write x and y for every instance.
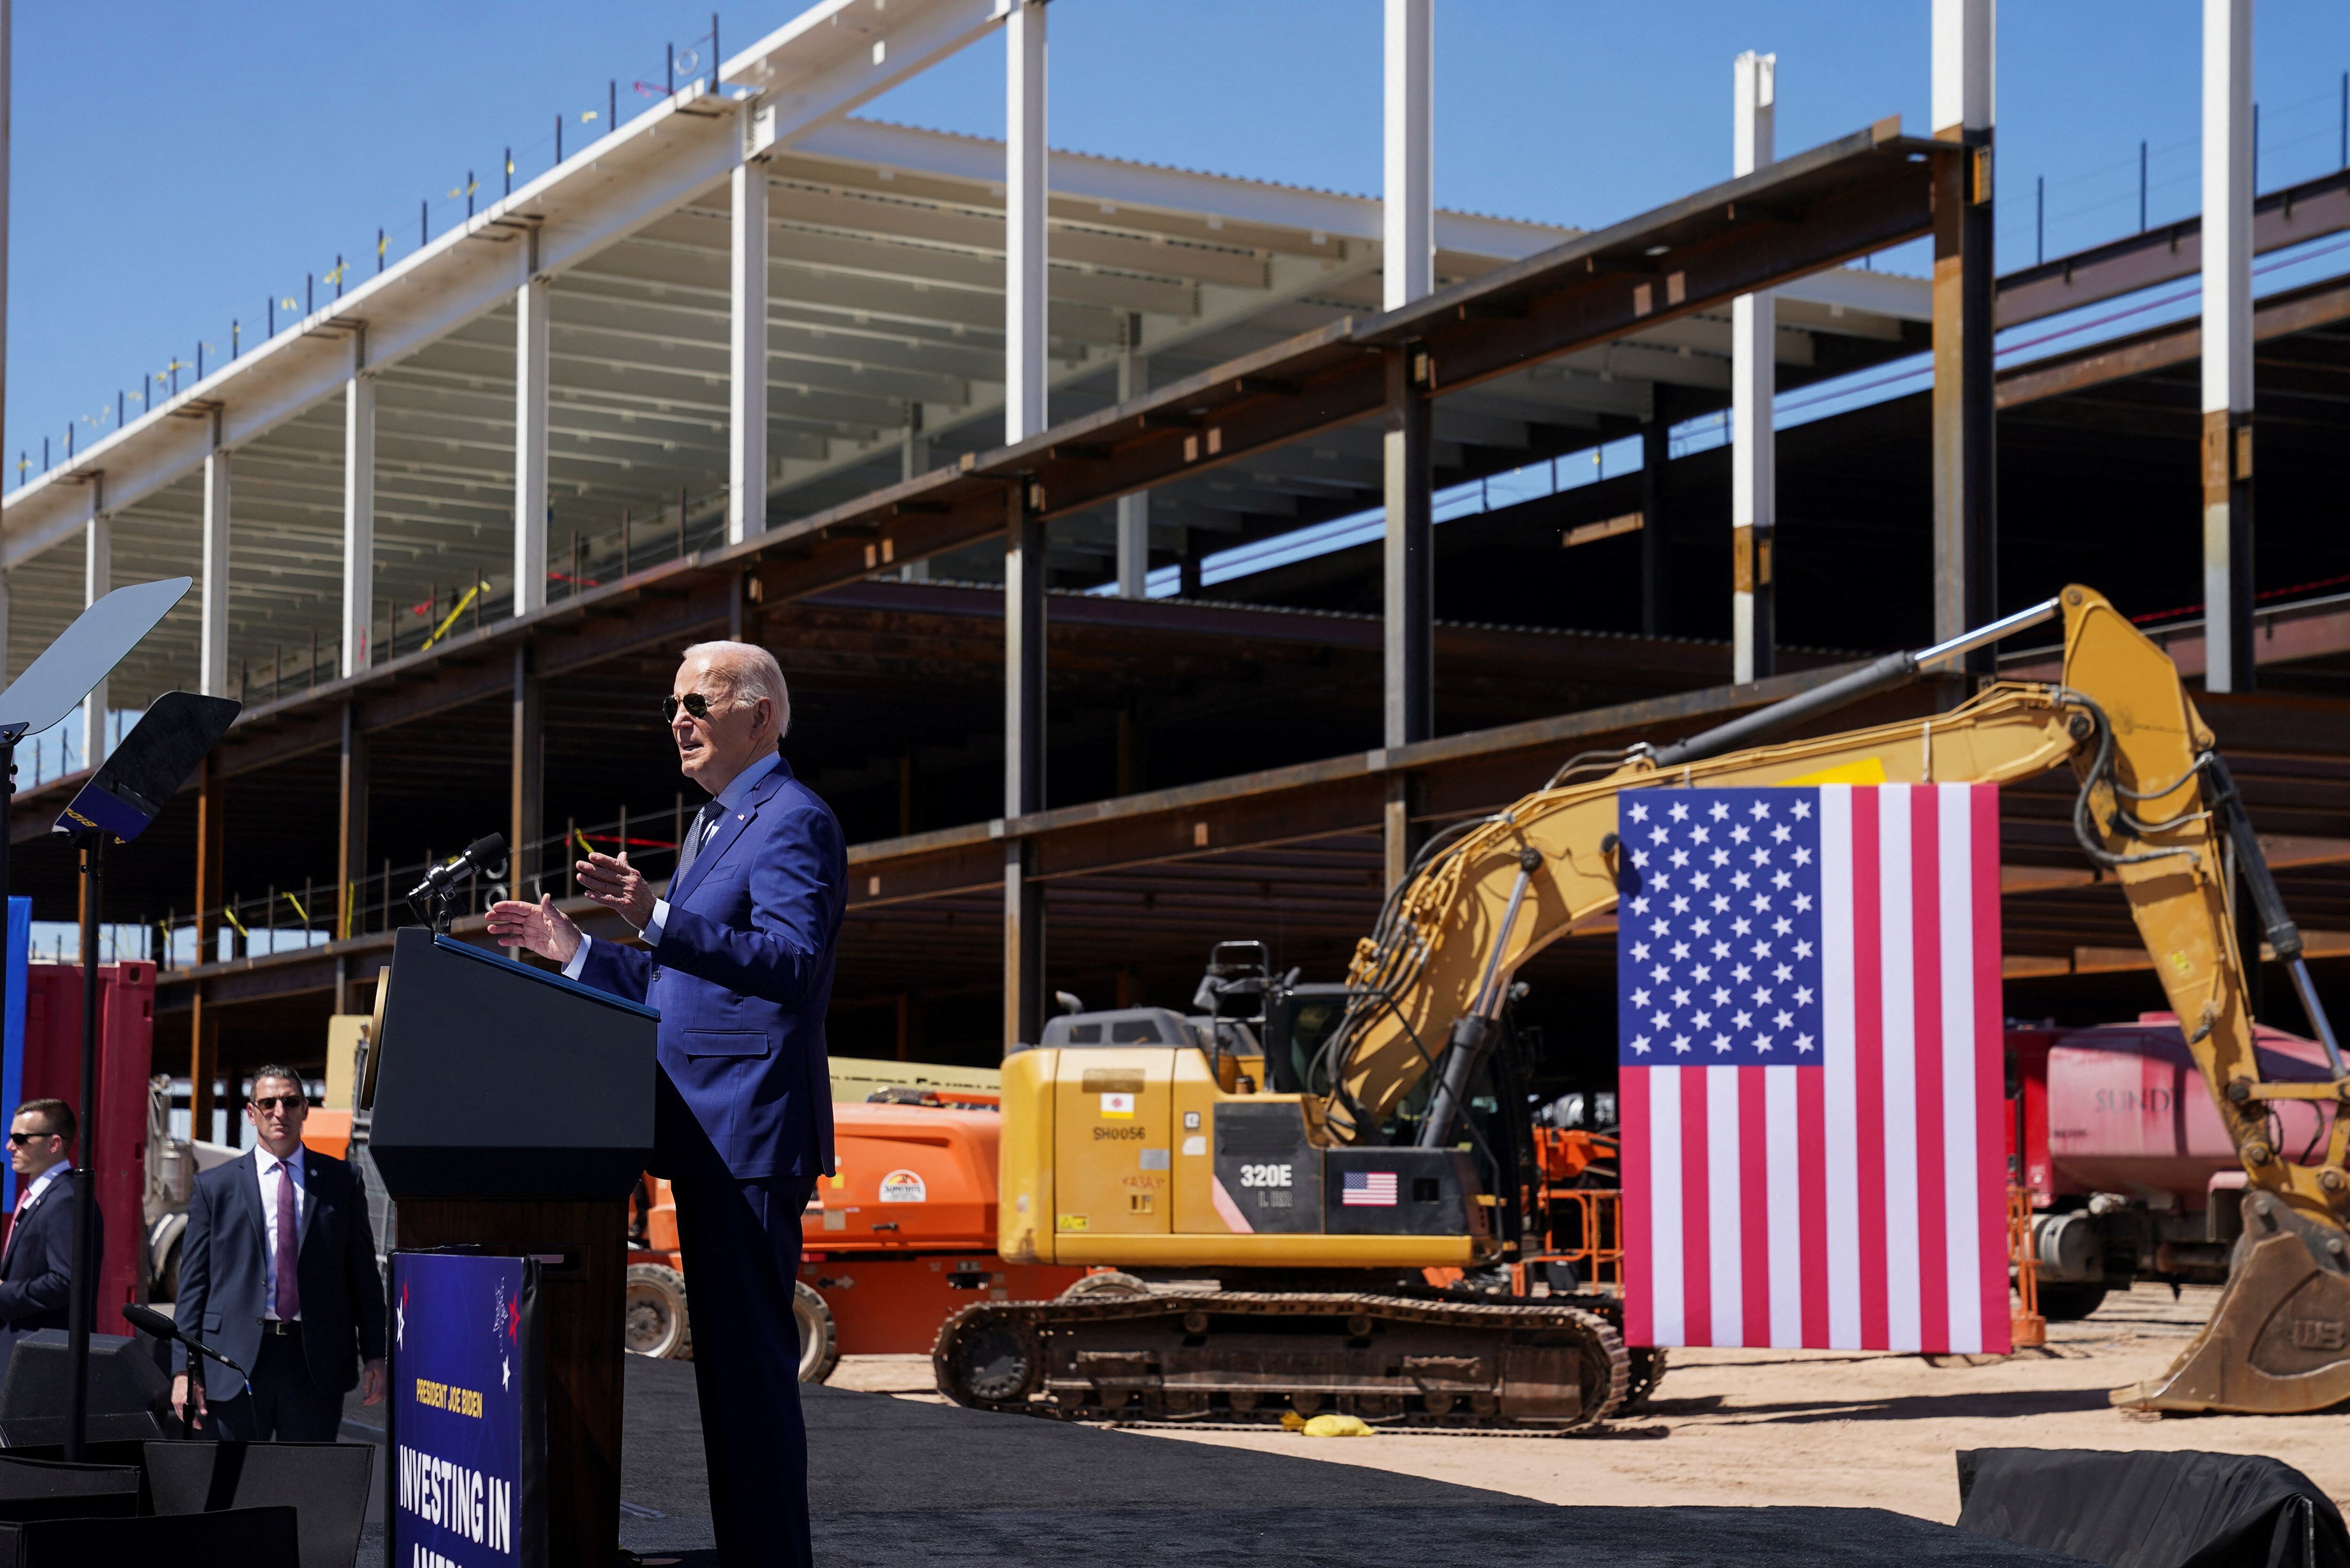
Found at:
(287, 1293)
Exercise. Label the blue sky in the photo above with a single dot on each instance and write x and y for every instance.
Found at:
(176, 166)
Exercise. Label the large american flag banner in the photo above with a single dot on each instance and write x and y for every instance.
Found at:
(1811, 1079)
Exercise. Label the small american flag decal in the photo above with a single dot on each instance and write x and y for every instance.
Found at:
(1368, 1190)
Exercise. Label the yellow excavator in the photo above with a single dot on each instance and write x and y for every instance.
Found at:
(1265, 1182)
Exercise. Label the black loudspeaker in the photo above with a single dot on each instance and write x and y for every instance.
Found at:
(329, 1482)
(247, 1538)
(126, 1387)
(38, 1488)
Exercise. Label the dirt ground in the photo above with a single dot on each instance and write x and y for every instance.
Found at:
(1761, 1427)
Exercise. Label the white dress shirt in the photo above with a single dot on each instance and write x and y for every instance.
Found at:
(729, 799)
(265, 1164)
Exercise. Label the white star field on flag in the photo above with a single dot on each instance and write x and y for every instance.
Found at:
(1717, 928)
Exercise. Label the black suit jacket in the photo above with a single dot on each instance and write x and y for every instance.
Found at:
(224, 1273)
(36, 1273)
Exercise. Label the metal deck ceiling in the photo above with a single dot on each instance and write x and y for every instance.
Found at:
(885, 316)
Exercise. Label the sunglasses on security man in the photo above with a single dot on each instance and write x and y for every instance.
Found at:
(282, 1103)
(694, 702)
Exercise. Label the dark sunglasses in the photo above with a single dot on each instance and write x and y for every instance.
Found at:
(694, 702)
(281, 1102)
(17, 1137)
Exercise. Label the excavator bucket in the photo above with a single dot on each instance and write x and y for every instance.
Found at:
(2278, 1343)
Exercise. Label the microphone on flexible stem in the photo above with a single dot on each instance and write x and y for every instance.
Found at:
(146, 1320)
(478, 856)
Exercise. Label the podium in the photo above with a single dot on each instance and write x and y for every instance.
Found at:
(513, 1114)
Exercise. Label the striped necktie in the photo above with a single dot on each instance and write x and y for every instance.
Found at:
(705, 823)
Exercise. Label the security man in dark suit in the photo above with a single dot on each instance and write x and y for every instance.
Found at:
(738, 956)
(36, 1256)
(277, 1272)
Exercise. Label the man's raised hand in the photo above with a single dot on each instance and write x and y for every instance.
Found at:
(612, 882)
(541, 926)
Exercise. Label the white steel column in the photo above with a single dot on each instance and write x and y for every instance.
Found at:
(212, 636)
(1407, 216)
(913, 462)
(1025, 331)
(1965, 452)
(1408, 271)
(1133, 511)
(357, 633)
(530, 438)
(1754, 382)
(2228, 345)
(746, 463)
(97, 581)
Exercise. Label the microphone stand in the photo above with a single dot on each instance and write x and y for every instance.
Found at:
(169, 1331)
(83, 1301)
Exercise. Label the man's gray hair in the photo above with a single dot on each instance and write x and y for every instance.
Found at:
(750, 672)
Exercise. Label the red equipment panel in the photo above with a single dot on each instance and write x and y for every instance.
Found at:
(126, 1036)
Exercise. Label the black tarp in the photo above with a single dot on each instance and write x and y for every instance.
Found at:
(2148, 1510)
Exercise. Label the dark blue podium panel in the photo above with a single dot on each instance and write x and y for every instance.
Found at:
(492, 1080)
(467, 1419)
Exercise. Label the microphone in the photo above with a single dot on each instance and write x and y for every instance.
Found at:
(478, 856)
(149, 1321)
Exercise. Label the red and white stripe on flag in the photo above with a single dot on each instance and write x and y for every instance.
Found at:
(1852, 1198)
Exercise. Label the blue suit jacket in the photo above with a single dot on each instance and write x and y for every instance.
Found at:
(224, 1273)
(742, 976)
(37, 1275)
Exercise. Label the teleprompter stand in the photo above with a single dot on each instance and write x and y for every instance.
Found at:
(512, 1112)
(65, 673)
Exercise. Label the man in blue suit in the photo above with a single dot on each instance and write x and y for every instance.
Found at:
(36, 1256)
(738, 957)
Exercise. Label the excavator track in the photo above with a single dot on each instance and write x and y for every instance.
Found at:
(1233, 1357)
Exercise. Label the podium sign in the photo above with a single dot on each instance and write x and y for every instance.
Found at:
(466, 1427)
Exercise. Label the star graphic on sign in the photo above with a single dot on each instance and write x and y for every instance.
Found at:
(1803, 809)
(1659, 1020)
(1722, 1043)
(1680, 812)
(1696, 833)
(505, 1373)
(1681, 998)
(1761, 809)
(1720, 996)
(1741, 974)
(1803, 950)
(1760, 900)
(1701, 1020)
(1721, 903)
(1803, 996)
(1802, 903)
(1720, 810)
(1738, 832)
(1762, 950)
(1785, 1020)
(1721, 949)
(1782, 973)
(1640, 952)
(1762, 996)
(1761, 1043)
(1640, 1045)
(1702, 929)
(1661, 974)
(1639, 813)
(1782, 925)
(1720, 857)
(1741, 880)
(1741, 927)
(1681, 1044)
(1658, 835)
(1701, 973)
(1639, 857)
(1802, 1043)
(400, 1321)
(1640, 906)
(1781, 834)
(1803, 855)
(1762, 856)
(1741, 1020)
(1659, 928)
(1680, 903)
(1680, 858)
(1680, 952)
(1640, 998)
(1781, 878)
